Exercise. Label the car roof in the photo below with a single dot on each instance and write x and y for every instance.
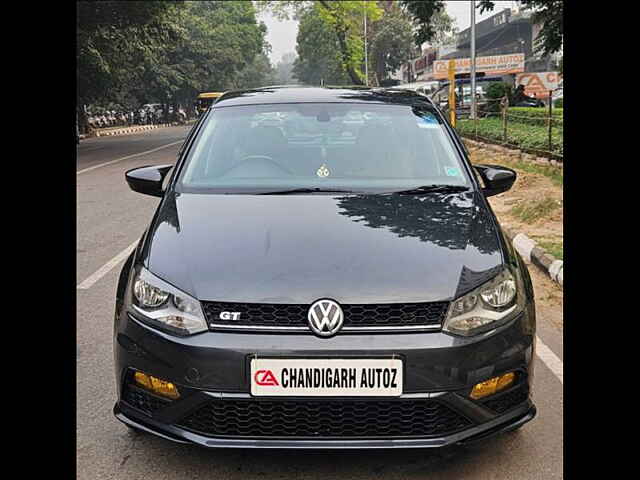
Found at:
(328, 94)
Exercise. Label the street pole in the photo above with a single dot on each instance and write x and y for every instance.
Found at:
(366, 60)
(473, 60)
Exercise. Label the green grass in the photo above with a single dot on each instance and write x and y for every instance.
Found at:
(554, 173)
(535, 116)
(519, 135)
(554, 248)
(530, 211)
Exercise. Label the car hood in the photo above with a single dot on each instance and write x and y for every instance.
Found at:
(299, 248)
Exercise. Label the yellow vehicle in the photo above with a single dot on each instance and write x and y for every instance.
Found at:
(205, 100)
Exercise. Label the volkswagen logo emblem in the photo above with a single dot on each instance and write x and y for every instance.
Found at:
(325, 318)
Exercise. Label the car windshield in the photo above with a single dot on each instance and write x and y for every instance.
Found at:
(321, 146)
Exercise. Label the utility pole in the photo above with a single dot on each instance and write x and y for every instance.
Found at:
(366, 60)
(473, 59)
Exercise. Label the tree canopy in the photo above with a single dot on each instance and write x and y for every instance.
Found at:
(160, 52)
(344, 18)
(318, 58)
(427, 14)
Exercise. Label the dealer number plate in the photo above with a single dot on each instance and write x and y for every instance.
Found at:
(326, 377)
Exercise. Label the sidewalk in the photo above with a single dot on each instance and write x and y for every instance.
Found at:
(531, 212)
(111, 131)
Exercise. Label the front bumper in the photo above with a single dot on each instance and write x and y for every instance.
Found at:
(502, 424)
(212, 368)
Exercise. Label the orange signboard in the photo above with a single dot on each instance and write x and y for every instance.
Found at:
(538, 84)
(490, 65)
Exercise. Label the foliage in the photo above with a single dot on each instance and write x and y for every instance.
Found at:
(444, 28)
(549, 13)
(552, 247)
(533, 210)
(519, 135)
(318, 52)
(138, 52)
(535, 116)
(495, 92)
(560, 64)
(558, 104)
(344, 18)
(392, 42)
(423, 13)
(555, 174)
(259, 72)
(113, 37)
(284, 69)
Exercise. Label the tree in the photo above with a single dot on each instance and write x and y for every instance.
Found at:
(345, 18)
(318, 51)
(392, 42)
(284, 69)
(549, 13)
(112, 37)
(166, 52)
(444, 28)
(258, 73)
(425, 15)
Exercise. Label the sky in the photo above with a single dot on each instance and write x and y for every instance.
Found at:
(282, 34)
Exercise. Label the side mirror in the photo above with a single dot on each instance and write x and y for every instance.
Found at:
(148, 180)
(497, 179)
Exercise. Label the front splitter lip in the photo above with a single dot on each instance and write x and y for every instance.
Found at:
(504, 423)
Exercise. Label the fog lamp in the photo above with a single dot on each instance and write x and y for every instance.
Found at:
(491, 386)
(156, 385)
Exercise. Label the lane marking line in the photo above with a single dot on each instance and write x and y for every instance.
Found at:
(102, 271)
(127, 157)
(549, 358)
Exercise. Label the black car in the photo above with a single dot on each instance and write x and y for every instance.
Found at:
(323, 271)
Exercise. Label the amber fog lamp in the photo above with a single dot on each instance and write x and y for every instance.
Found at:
(491, 386)
(156, 385)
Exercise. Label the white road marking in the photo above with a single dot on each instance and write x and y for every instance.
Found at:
(549, 358)
(128, 156)
(102, 271)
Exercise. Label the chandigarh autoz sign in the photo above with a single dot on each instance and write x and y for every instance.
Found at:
(326, 377)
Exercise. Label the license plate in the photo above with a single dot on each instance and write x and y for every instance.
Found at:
(326, 377)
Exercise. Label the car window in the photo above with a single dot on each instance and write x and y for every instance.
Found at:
(308, 145)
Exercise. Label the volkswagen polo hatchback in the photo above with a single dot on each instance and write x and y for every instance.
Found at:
(323, 271)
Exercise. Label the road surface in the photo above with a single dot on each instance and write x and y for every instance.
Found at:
(111, 218)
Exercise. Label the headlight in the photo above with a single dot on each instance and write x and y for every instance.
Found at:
(164, 306)
(484, 308)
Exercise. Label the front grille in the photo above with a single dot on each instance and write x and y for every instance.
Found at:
(355, 316)
(507, 400)
(143, 401)
(326, 418)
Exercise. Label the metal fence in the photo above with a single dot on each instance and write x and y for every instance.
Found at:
(536, 130)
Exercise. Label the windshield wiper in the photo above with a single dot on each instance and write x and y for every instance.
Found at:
(432, 189)
(305, 190)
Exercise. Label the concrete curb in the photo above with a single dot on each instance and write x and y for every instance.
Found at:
(131, 130)
(128, 130)
(531, 252)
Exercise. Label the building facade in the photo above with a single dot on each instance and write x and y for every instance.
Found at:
(505, 33)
